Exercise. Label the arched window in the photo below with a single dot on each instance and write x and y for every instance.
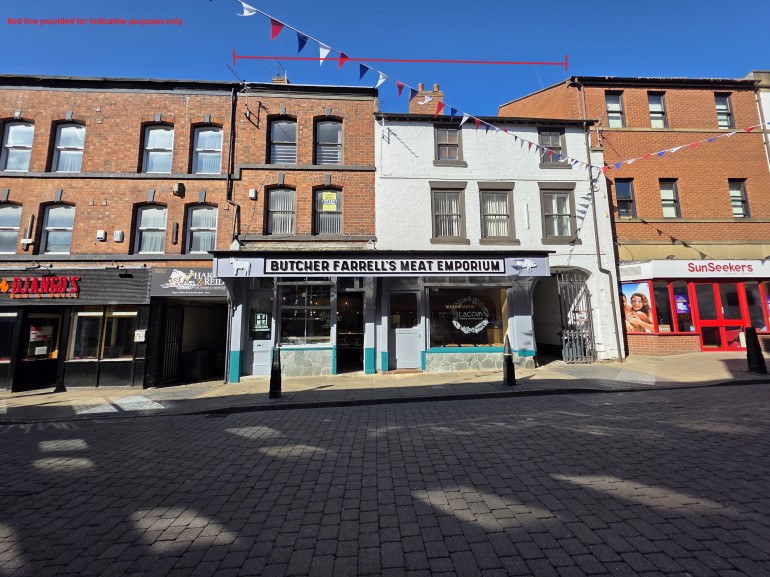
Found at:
(328, 142)
(70, 142)
(283, 142)
(201, 228)
(281, 215)
(17, 146)
(207, 154)
(57, 228)
(151, 229)
(158, 149)
(10, 218)
(328, 212)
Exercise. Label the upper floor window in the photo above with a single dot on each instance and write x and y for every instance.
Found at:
(151, 229)
(207, 155)
(738, 200)
(552, 143)
(496, 219)
(559, 223)
(328, 212)
(448, 145)
(158, 149)
(328, 142)
(448, 215)
(283, 142)
(201, 228)
(10, 218)
(615, 116)
(17, 146)
(657, 106)
(669, 198)
(724, 111)
(68, 154)
(281, 211)
(57, 228)
(624, 197)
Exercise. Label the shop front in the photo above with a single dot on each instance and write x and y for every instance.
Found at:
(382, 311)
(70, 328)
(673, 306)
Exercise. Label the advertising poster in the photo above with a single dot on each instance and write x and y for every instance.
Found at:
(636, 307)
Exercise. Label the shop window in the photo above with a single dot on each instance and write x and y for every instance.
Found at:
(68, 152)
(7, 325)
(57, 228)
(328, 142)
(637, 308)
(10, 218)
(759, 306)
(102, 333)
(207, 155)
(158, 149)
(328, 212)
(201, 228)
(281, 215)
(43, 341)
(305, 314)
(681, 307)
(468, 317)
(283, 142)
(17, 146)
(662, 303)
(151, 229)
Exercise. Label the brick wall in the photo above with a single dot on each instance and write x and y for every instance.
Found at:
(559, 101)
(662, 344)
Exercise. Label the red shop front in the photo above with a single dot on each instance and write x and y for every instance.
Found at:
(676, 306)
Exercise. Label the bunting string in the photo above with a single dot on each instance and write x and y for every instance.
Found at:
(276, 26)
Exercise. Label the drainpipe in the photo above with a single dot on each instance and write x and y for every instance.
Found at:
(604, 271)
(231, 167)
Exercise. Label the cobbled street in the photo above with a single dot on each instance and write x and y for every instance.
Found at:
(648, 483)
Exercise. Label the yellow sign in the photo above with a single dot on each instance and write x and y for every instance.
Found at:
(329, 201)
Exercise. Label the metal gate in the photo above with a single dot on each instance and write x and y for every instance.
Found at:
(577, 331)
(171, 347)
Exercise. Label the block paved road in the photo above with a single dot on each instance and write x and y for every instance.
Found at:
(650, 483)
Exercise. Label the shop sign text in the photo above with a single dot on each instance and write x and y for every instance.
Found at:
(42, 287)
(384, 266)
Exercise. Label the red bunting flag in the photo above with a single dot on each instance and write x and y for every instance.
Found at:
(529, 145)
(439, 108)
(605, 169)
(478, 123)
(400, 86)
(647, 156)
(550, 153)
(750, 128)
(275, 28)
(343, 59)
(694, 145)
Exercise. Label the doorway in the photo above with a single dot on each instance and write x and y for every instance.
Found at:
(404, 334)
(721, 316)
(350, 332)
(38, 355)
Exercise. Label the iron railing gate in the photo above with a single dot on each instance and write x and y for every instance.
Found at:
(171, 347)
(577, 332)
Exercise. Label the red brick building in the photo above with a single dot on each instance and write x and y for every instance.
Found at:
(692, 224)
(113, 192)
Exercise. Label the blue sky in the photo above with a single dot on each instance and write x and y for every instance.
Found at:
(602, 37)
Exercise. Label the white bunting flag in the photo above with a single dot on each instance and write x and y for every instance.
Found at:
(247, 10)
(465, 119)
(324, 50)
(382, 79)
(427, 99)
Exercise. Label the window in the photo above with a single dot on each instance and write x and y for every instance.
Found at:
(17, 146)
(281, 211)
(207, 156)
(738, 200)
(151, 229)
(10, 217)
(448, 146)
(496, 219)
(57, 228)
(468, 316)
(448, 210)
(103, 333)
(624, 197)
(328, 142)
(558, 215)
(305, 314)
(669, 199)
(68, 155)
(158, 149)
(724, 111)
(283, 142)
(615, 116)
(552, 142)
(328, 212)
(201, 228)
(657, 110)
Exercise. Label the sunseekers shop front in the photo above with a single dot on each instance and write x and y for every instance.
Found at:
(370, 311)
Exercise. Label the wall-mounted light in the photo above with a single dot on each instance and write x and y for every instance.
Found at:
(252, 194)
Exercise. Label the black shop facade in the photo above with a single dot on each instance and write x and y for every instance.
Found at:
(73, 327)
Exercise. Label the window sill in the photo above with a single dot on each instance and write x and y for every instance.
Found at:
(499, 241)
(556, 165)
(453, 240)
(561, 240)
(458, 163)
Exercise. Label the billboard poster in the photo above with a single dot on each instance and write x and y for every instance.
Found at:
(636, 307)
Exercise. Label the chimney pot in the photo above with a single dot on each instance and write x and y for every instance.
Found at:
(435, 87)
(420, 87)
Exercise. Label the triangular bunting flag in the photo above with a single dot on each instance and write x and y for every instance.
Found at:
(412, 94)
(661, 153)
(676, 149)
(630, 161)
(478, 123)
(710, 139)
(381, 79)
(275, 28)
(301, 41)
(427, 99)
(247, 10)
(694, 145)
(605, 169)
(486, 127)
(750, 128)
(506, 130)
(550, 153)
(465, 119)
(646, 156)
(400, 86)
(439, 108)
(323, 50)
(343, 59)
(618, 165)
(452, 113)
(529, 145)
(729, 134)
(362, 70)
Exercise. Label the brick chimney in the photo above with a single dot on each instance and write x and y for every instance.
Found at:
(415, 106)
(278, 79)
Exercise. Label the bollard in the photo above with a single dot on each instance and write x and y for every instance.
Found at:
(754, 352)
(275, 375)
(509, 371)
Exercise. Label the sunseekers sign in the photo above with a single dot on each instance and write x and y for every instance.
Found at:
(234, 267)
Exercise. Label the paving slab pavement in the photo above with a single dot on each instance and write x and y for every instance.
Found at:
(251, 394)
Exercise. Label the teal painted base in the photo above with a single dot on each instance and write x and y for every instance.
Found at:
(384, 361)
(370, 366)
(423, 361)
(235, 367)
(455, 350)
(526, 353)
(334, 361)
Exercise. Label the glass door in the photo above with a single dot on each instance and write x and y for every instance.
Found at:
(722, 315)
(404, 333)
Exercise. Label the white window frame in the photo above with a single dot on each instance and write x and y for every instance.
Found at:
(7, 147)
(11, 229)
(198, 150)
(59, 148)
(286, 144)
(271, 212)
(47, 229)
(140, 230)
(191, 230)
(320, 145)
(318, 203)
(738, 198)
(148, 150)
(616, 117)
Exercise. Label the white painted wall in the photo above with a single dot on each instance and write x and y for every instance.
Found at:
(404, 157)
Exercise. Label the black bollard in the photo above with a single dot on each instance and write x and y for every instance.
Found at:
(754, 352)
(275, 375)
(509, 370)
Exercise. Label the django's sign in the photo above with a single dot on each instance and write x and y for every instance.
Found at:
(469, 315)
(41, 287)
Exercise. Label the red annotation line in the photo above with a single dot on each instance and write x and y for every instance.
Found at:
(237, 57)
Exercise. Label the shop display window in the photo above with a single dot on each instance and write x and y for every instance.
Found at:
(305, 314)
(662, 307)
(43, 341)
(468, 317)
(681, 307)
(7, 324)
(100, 333)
